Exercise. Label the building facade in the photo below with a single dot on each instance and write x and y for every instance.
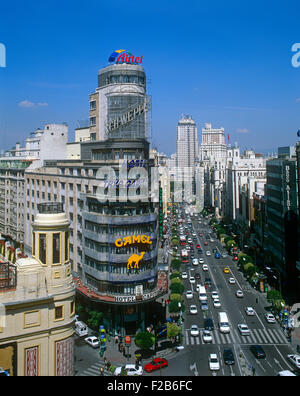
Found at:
(38, 296)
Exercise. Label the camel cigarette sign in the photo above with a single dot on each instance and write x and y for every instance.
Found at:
(134, 260)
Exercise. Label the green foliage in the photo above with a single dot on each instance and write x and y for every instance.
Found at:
(176, 264)
(95, 319)
(176, 287)
(172, 330)
(144, 340)
(175, 275)
(176, 297)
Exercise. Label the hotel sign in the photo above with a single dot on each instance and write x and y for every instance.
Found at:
(128, 117)
(130, 299)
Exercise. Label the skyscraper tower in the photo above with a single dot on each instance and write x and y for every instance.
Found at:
(186, 151)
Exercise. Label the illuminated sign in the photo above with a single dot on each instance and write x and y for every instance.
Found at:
(123, 56)
(134, 260)
(131, 240)
(128, 117)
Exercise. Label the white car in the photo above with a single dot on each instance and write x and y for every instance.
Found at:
(195, 261)
(224, 255)
(239, 293)
(214, 295)
(192, 279)
(201, 260)
(208, 253)
(92, 341)
(250, 311)
(213, 362)
(205, 267)
(270, 318)
(194, 330)
(189, 294)
(217, 303)
(130, 369)
(231, 281)
(193, 310)
(206, 336)
(243, 328)
(295, 359)
(184, 275)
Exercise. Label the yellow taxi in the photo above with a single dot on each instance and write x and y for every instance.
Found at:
(226, 270)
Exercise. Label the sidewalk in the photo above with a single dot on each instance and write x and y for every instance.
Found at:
(116, 358)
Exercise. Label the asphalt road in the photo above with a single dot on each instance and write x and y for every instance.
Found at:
(193, 360)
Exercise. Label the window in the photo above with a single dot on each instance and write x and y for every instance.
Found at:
(33, 244)
(72, 308)
(56, 248)
(66, 246)
(59, 313)
(92, 121)
(93, 105)
(42, 248)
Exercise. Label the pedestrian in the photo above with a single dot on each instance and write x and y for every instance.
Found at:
(105, 361)
(108, 364)
(116, 338)
(101, 372)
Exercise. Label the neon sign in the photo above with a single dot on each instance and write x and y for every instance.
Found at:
(123, 56)
(134, 260)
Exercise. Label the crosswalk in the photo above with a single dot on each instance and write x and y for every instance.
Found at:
(93, 371)
(257, 336)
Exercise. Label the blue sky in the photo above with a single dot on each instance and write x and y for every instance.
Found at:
(224, 62)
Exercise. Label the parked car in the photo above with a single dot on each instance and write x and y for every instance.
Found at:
(156, 364)
(213, 362)
(228, 356)
(130, 369)
(258, 351)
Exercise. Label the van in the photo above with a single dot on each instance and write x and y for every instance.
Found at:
(202, 293)
(81, 329)
(223, 323)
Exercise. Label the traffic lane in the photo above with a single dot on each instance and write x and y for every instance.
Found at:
(274, 361)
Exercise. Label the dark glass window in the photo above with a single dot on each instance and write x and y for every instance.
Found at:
(56, 248)
(42, 248)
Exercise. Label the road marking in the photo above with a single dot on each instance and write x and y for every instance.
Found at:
(285, 361)
(257, 335)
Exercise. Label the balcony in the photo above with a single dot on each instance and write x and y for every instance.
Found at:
(119, 220)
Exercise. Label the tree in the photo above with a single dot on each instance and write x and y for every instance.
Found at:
(172, 330)
(176, 264)
(95, 320)
(176, 297)
(175, 275)
(144, 340)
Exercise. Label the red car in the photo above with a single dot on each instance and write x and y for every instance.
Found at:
(156, 364)
(198, 246)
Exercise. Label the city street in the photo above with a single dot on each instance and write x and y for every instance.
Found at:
(194, 358)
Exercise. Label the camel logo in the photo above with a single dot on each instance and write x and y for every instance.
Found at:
(135, 258)
(138, 240)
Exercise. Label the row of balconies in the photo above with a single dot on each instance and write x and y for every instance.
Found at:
(142, 276)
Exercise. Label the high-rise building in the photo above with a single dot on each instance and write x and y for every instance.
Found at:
(282, 214)
(113, 237)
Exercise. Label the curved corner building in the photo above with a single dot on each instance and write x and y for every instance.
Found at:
(114, 232)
